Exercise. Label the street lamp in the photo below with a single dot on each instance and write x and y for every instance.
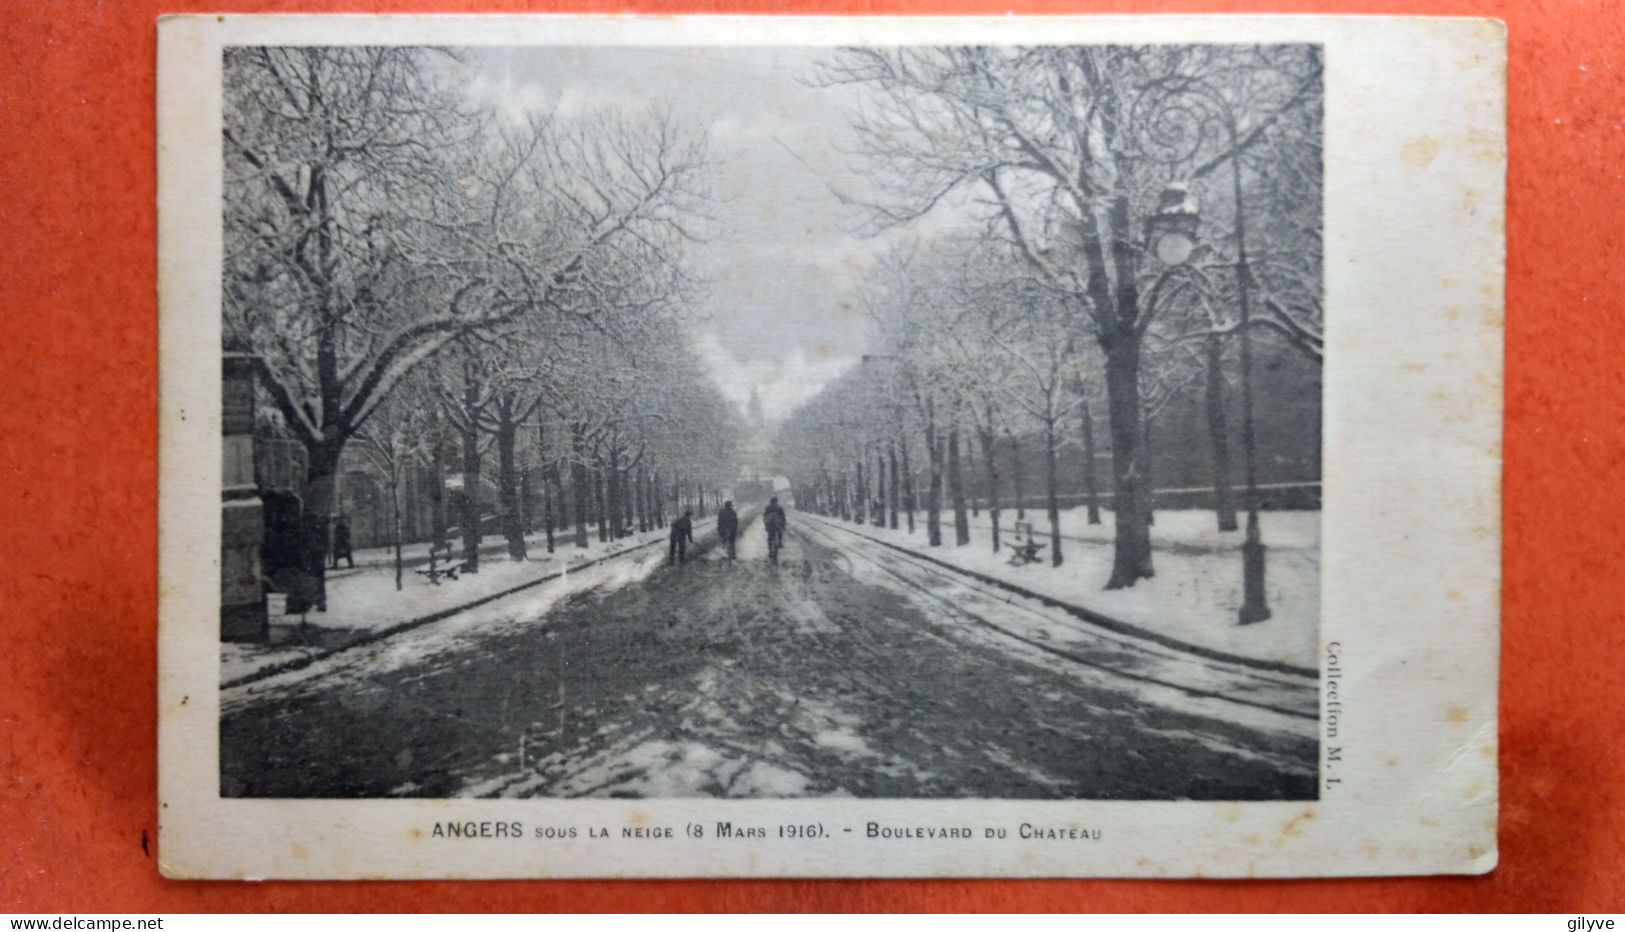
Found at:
(1171, 233)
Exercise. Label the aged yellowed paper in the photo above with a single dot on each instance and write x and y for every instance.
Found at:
(710, 446)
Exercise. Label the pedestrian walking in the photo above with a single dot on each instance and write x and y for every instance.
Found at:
(682, 534)
(773, 520)
(341, 544)
(728, 526)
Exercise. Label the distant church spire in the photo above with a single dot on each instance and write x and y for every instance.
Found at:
(754, 409)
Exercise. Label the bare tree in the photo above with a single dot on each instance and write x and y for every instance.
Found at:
(372, 218)
(1045, 144)
(465, 384)
(1040, 389)
(395, 439)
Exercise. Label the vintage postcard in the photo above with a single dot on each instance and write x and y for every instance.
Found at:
(712, 446)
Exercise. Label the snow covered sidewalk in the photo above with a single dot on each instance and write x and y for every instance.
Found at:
(1195, 595)
(364, 606)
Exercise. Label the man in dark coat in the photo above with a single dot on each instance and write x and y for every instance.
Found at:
(341, 543)
(728, 526)
(682, 534)
(773, 520)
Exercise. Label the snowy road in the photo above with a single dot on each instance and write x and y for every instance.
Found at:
(849, 669)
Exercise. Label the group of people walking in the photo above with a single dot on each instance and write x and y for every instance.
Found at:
(682, 531)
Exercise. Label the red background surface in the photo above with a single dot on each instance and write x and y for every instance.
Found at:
(78, 479)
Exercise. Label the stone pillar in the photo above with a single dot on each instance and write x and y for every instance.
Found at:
(242, 589)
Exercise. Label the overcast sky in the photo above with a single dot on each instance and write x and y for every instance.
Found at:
(781, 315)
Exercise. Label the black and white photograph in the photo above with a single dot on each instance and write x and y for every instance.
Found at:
(924, 416)
(910, 422)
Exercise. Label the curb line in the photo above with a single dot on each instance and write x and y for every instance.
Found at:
(372, 637)
(1090, 616)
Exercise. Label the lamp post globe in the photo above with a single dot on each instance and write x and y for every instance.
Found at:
(1173, 248)
(1172, 229)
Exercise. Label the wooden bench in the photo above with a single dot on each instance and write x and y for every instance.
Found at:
(435, 575)
(1025, 551)
(435, 572)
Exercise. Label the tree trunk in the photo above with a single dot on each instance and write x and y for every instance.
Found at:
(655, 498)
(1131, 553)
(1021, 478)
(323, 461)
(862, 513)
(990, 459)
(933, 498)
(1090, 487)
(1116, 302)
(513, 527)
(562, 517)
(437, 491)
(549, 477)
(640, 501)
(527, 501)
(395, 513)
(1053, 502)
(614, 496)
(554, 476)
(1150, 479)
(892, 487)
(956, 485)
(321, 473)
(625, 496)
(629, 500)
(578, 480)
(651, 497)
(878, 517)
(471, 499)
(971, 497)
(599, 511)
(411, 478)
(908, 488)
(1224, 498)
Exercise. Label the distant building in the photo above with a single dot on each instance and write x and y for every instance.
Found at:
(756, 447)
(753, 411)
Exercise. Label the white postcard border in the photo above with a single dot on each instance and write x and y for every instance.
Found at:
(1415, 208)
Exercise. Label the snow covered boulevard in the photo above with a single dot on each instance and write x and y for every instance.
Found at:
(850, 668)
